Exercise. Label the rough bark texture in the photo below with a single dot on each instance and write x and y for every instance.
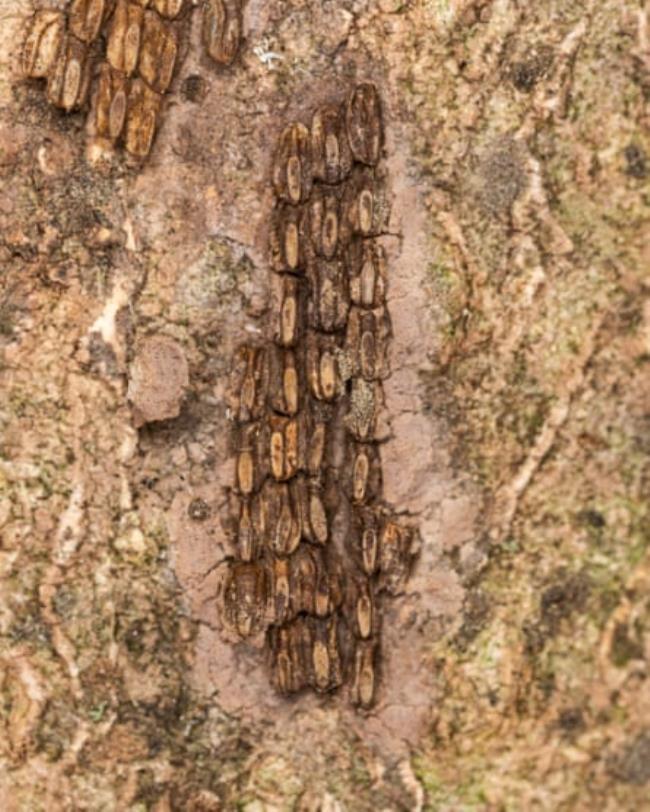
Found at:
(515, 665)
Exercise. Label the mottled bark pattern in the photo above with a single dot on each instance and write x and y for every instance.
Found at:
(315, 548)
(131, 49)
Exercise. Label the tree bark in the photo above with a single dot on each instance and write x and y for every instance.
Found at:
(514, 662)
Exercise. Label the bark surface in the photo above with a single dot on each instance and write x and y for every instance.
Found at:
(514, 664)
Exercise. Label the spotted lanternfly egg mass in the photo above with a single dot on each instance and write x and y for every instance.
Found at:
(316, 551)
(117, 59)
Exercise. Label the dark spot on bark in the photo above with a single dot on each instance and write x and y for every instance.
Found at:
(102, 355)
(8, 314)
(624, 646)
(124, 324)
(58, 275)
(534, 639)
(198, 510)
(561, 599)
(636, 161)
(525, 73)
(194, 88)
(546, 684)
(29, 626)
(641, 74)
(591, 518)
(571, 720)
(502, 175)
(477, 12)
(51, 748)
(55, 730)
(133, 637)
(629, 317)
(65, 601)
(558, 601)
(476, 614)
(631, 764)
(149, 791)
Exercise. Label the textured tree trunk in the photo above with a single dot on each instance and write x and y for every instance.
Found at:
(514, 662)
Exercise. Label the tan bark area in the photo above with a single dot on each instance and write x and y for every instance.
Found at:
(515, 666)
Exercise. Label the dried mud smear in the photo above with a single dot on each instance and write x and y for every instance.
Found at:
(158, 380)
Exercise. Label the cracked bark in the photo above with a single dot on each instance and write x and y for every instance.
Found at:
(516, 429)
